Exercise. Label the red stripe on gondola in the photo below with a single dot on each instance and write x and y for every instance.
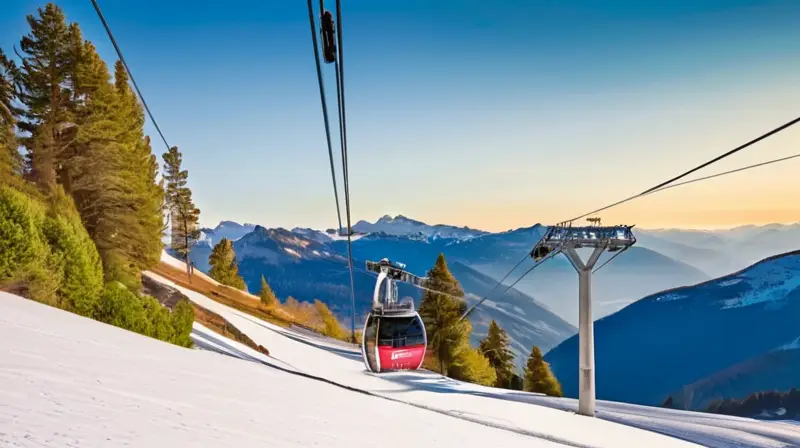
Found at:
(407, 358)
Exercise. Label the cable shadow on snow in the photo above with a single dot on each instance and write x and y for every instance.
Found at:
(199, 340)
(345, 353)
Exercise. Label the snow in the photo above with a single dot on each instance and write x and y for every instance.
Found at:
(670, 297)
(618, 424)
(769, 282)
(291, 251)
(479, 404)
(336, 237)
(774, 286)
(730, 282)
(175, 263)
(172, 261)
(72, 382)
(204, 238)
(794, 345)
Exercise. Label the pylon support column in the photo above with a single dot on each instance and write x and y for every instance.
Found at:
(567, 239)
(586, 390)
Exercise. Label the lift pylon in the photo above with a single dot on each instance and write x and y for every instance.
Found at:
(567, 239)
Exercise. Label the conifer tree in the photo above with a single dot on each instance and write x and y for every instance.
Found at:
(495, 347)
(331, 326)
(538, 377)
(441, 314)
(268, 298)
(224, 268)
(184, 216)
(49, 56)
(142, 171)
(97, 170)
(10, 158)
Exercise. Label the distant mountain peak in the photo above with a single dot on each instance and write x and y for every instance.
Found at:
(405, 226)
(228, 224)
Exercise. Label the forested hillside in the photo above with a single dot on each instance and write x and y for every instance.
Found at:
(81, 211)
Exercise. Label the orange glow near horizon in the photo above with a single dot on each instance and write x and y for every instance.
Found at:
(755, 198)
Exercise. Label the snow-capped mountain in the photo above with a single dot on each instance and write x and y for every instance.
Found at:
(676, 338)
(225, 229)
(401, 225)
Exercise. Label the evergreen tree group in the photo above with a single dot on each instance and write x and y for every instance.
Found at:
(538, 376)
(267, 296)
(441, 309)
(755, 403)
(224, 268)
(495, 347)
(84, 133)
(81, 213)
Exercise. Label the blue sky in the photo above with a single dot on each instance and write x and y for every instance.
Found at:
(493, 114)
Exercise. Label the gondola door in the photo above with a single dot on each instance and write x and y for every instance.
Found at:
(369, 343)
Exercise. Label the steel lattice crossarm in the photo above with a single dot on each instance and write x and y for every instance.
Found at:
(559, 237)
(395, 271)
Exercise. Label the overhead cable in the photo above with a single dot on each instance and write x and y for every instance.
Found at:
(324, 109)
(128, 70)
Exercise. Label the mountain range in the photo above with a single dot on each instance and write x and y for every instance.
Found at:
(725, 338)
(307, 264)
(305, 267)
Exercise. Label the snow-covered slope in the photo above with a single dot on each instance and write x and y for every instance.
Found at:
(429, 390)
(616, 426)
(511, 410)
(68, 381)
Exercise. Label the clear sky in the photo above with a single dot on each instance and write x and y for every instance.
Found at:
(493, 114)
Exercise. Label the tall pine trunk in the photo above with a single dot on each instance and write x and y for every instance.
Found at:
(186, 256)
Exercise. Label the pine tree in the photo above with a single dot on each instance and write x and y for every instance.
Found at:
(224, 268)
(331, 326)
(495, 347)
(142, 172)
(441, 314)
(538, 377)
(268, 298)
(10, 158)
(49, 54)
(96, 171)
(183, 214)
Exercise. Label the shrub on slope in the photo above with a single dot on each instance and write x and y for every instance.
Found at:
(46, 255)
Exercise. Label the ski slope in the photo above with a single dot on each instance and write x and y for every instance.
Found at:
(68, 381)
(71, 381)
(511, 410)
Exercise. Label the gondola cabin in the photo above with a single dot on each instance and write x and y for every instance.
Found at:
(394, 335)
(394, 341)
